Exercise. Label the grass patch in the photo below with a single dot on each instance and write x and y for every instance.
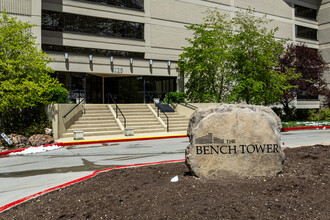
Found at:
(304, 123)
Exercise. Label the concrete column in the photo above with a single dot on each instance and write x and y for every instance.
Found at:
(102, 89)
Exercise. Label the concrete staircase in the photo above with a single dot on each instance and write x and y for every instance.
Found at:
(97, 121)
(177, 122)
(139, 117)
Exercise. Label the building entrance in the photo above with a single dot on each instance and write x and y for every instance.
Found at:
(138, 89)
(141, 89)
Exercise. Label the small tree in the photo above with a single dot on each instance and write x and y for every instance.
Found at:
(25, 82)
(204, 61)
(310, 63)
(254, 56)
(233, 60)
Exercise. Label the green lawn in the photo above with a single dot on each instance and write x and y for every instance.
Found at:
(304, 123)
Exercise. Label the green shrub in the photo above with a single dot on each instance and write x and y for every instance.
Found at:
(325, 114)
(302, 114)
(27, 122)
(59, 94)
(175, 97)
(321, 115)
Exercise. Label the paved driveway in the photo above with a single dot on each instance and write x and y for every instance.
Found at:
(22, 176)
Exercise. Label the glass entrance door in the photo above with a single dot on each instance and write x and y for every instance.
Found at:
(141, 89)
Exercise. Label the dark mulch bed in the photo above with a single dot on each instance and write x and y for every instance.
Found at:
(300, 192)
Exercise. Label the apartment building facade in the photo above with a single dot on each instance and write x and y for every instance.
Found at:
(130, 48)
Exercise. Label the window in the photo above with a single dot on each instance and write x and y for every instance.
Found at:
(305, 32)
(130, 4)
(93, 51)
(57, 21)
(304, 12)
(303, 95)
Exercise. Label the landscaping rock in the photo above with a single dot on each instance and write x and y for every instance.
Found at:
(40, 139)
(19, 141)
(234, 140)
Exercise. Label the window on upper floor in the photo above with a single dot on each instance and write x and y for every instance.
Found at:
(91, 51)
(130, 4)
(57, 21)
(309, 13)
(305, 32)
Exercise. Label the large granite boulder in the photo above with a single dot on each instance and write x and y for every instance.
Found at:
(234, 140)
(40, 139)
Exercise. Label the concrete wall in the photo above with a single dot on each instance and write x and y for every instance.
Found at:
(187, 111)
(26, 11)
(324, 34)
(60, 124)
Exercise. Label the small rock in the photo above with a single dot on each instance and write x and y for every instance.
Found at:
(48, 131)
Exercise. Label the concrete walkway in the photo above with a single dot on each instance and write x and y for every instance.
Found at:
(122, 136)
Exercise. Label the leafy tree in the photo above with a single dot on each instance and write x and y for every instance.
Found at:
(24, 74)
(204, 61)
(25, 82)
(234, 60)
(310, 63)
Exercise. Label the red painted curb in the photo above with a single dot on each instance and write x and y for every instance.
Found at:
(304, 128)
(10, 205)
(3, 153)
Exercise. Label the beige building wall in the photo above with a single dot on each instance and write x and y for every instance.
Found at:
(164, 33)
(324, 34)
(26, 11)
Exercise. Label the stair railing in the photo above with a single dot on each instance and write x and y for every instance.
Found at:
(167, 121)
(179, 101)
(73, 108)
(117, 109)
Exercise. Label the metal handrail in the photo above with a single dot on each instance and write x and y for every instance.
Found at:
(73, 108)
(117, 108)
(167, 124)
(179, 101)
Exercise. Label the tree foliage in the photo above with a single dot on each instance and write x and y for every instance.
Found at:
(234, 60)
(24, 74)
(25, 81)
(311, 65)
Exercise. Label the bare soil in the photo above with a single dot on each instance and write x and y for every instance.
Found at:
(300, 192)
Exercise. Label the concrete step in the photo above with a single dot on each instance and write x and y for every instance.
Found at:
(136, 123)
(67, 135)
(137, 131)
(175, 119)
(107, 121)
(140, 126)
(77, 126)
(172, 125)
(144, 113)
(96, 108)
(128, 117)
(178, 129)
(90, 111)
(95, 118)
(137, 118)
(97, 115)
(95, 129)
(130, 107)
